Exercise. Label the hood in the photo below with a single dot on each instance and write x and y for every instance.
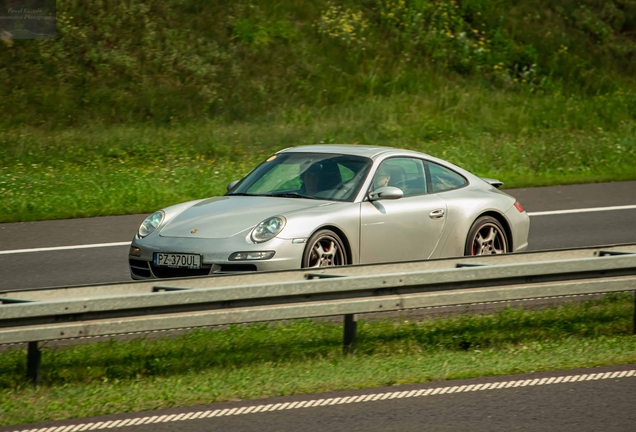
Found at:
(226, 216)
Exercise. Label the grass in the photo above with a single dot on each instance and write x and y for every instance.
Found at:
(128, 109)
(523, 140)
(258, 361)
(118, 62)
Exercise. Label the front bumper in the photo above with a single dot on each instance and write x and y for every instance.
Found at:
(214, 256)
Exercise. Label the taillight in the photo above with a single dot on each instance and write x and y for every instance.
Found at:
(518, 206)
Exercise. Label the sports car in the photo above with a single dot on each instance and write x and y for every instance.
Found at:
(332, 205)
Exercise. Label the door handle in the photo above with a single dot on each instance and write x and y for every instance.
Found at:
(437, 214)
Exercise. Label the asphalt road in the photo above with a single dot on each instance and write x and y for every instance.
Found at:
(604, 403)
(51, 268)
(599, 399)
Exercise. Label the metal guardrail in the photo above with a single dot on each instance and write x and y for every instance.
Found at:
(140, 287)
(173, 304)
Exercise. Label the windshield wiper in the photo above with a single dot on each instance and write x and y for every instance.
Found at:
(278, 195)
(291, 195)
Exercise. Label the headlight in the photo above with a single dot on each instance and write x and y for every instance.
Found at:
(151, 223)
(268, 229)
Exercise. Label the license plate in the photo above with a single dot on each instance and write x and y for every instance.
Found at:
(177, 260)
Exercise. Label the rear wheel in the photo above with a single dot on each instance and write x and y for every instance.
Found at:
(324, 249)
(486, 237)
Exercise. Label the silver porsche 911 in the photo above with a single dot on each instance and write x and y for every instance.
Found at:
(332, 205)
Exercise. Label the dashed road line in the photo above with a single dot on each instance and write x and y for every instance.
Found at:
(196, 415)
(583, 210)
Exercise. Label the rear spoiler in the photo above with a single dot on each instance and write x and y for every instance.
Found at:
(492, 182)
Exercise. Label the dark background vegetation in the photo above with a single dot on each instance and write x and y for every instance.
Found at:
(123, 61)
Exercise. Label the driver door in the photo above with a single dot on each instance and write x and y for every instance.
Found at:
(405, 229)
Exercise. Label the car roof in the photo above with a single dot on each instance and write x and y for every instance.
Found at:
(350, 149)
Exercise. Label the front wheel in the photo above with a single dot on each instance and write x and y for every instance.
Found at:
(486, 237)
(324, 249)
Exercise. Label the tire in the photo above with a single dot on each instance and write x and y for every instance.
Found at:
(486, 237)
(324, 249)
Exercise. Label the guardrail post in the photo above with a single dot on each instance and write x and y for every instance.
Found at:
(350, 326)
(34, 360)
(634, 327)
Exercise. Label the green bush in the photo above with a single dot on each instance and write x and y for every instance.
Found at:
(160, 62)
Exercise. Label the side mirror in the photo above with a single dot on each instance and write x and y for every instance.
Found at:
(231, 185)
(386, 192)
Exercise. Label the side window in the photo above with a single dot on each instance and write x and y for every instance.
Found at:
(346, 173)
(443, 179)
(404, 173)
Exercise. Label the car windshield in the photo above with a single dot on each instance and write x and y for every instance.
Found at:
(322, 176)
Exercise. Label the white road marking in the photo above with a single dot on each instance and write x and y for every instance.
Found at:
(583, 210)
(101, 245)
(56, 248)
(345, 400)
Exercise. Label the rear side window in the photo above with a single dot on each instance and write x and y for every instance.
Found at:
(444, 179)
(406, 174)
(346, 173)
